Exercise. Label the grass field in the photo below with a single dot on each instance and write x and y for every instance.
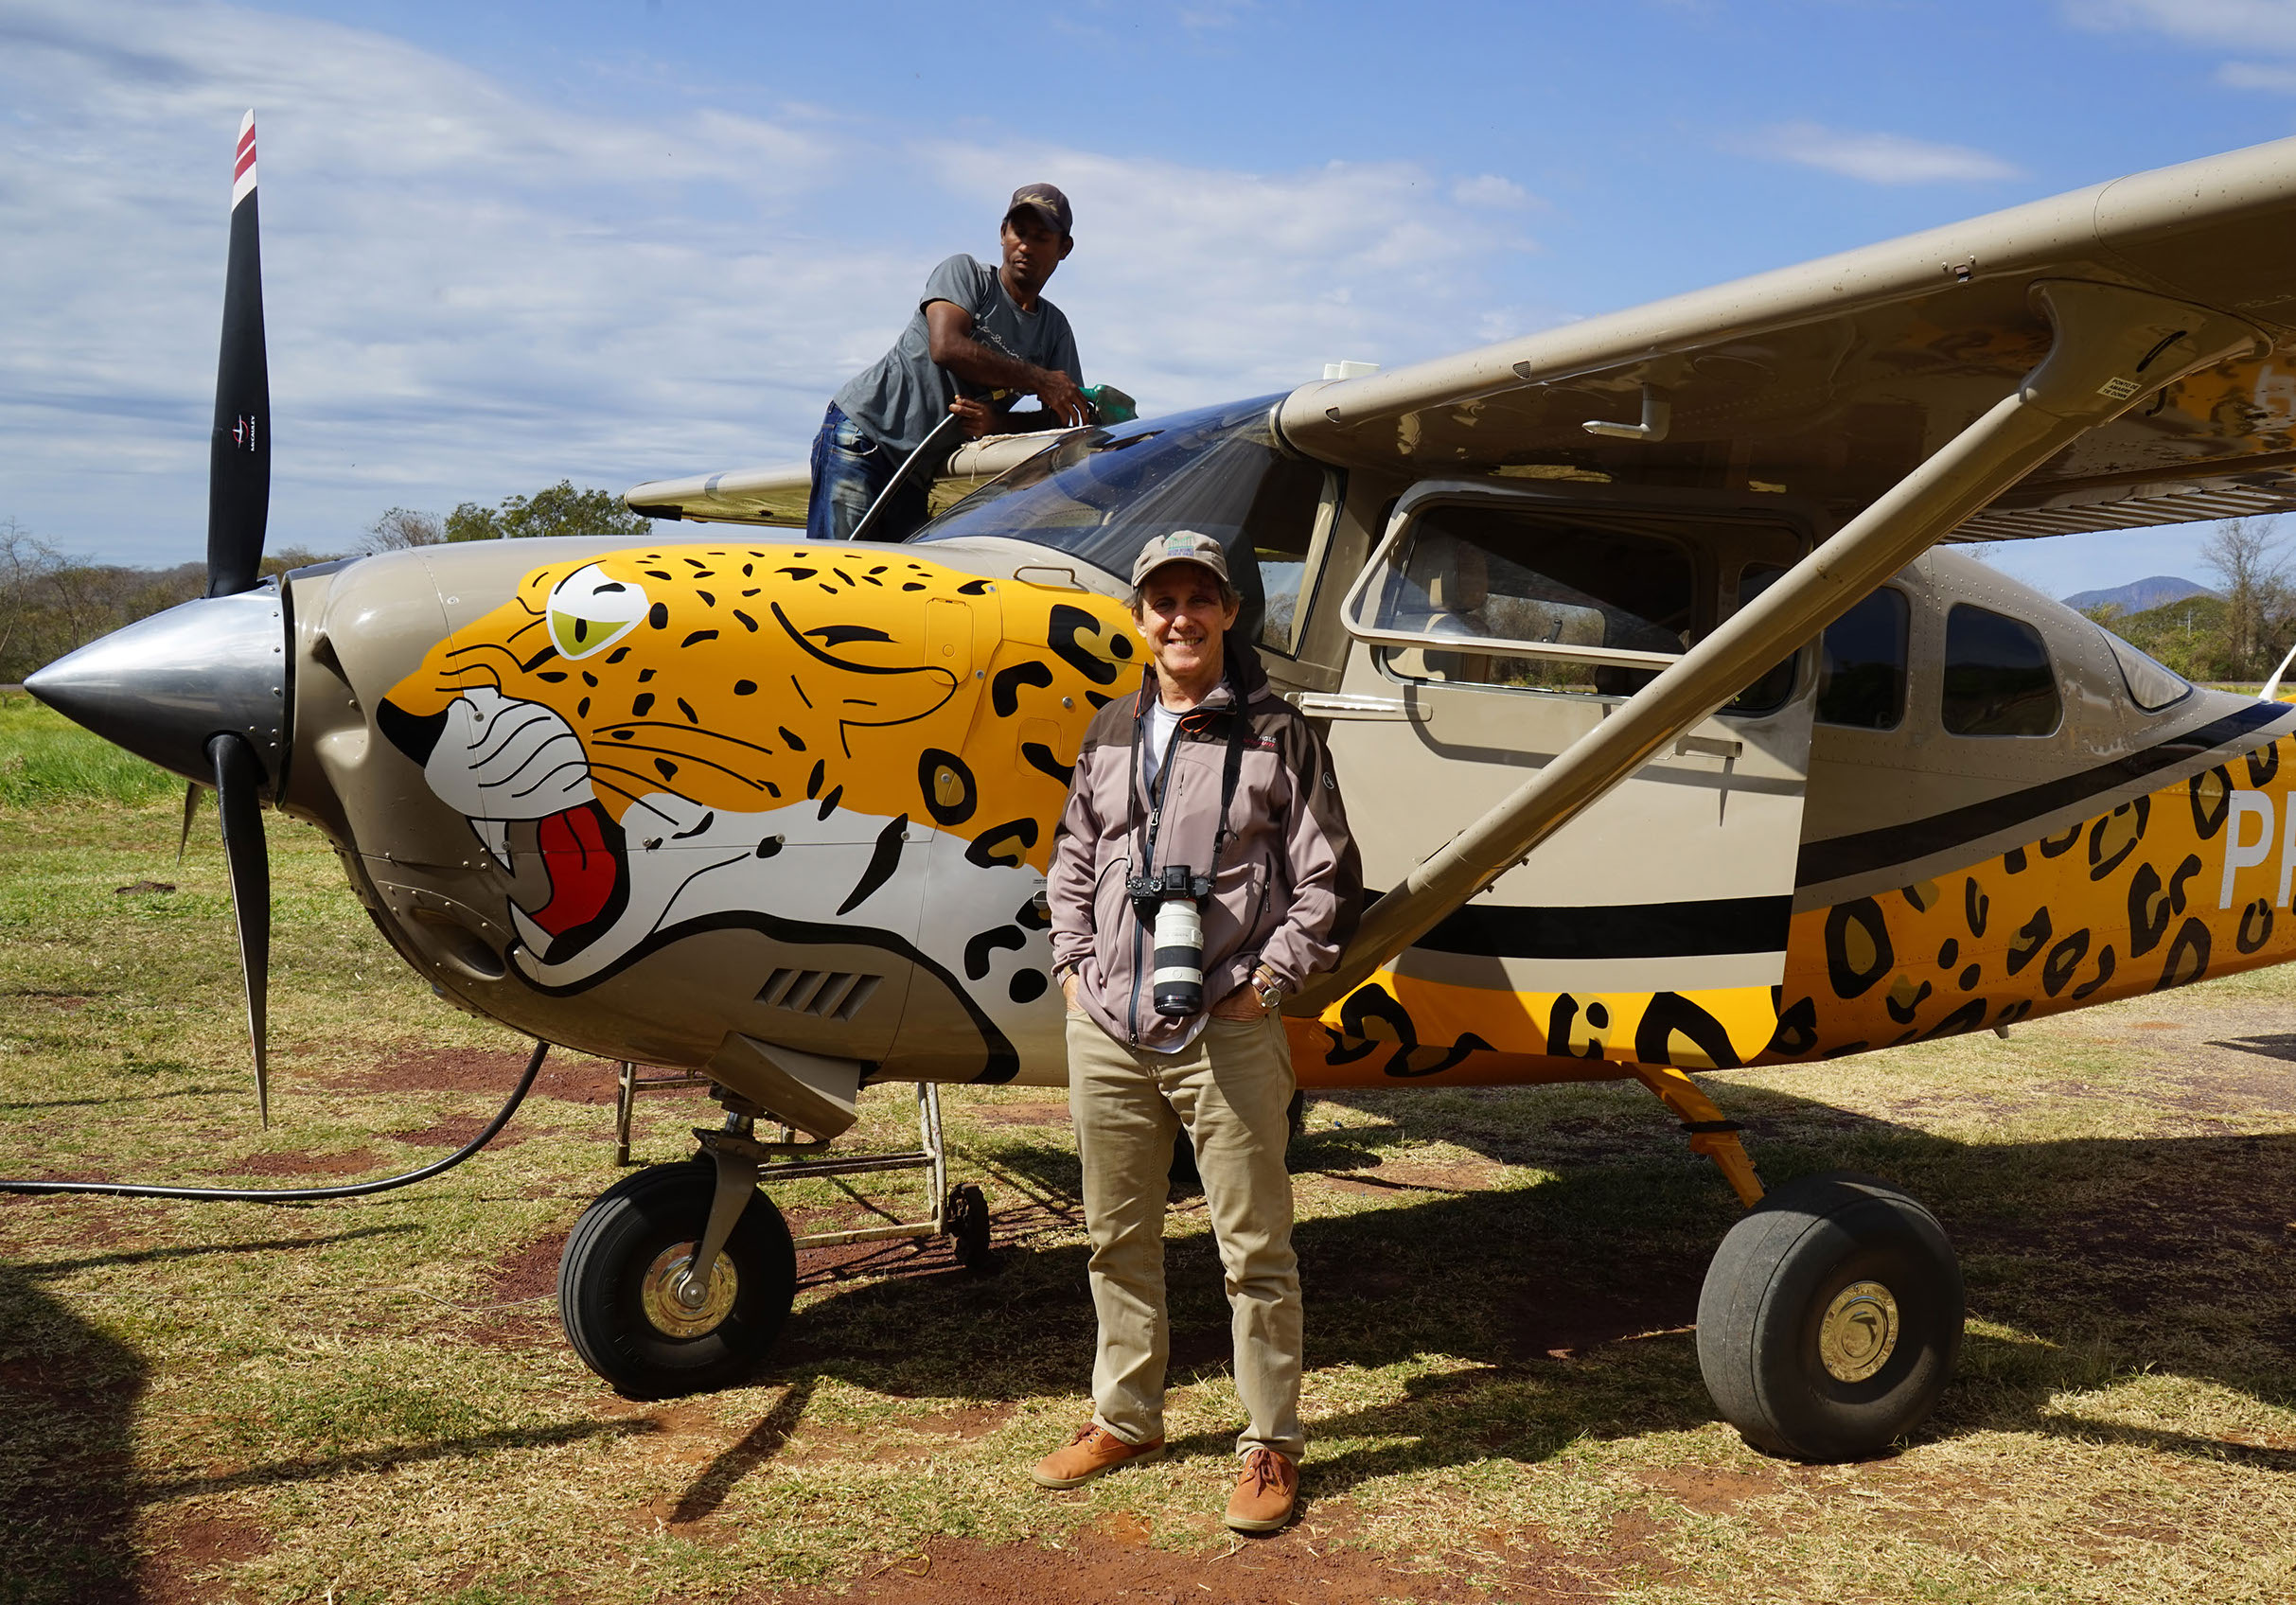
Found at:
(370, 1402)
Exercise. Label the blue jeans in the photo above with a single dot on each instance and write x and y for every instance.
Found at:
(850, 470)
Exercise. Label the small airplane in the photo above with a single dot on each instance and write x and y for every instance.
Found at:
(1671, 735)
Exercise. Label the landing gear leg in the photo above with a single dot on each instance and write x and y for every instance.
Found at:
(1711, 1134)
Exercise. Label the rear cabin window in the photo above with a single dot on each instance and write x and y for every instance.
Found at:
(2151, 686)
(1539, 579)
(1998, 679)
(1768, 694)
(1862, 667)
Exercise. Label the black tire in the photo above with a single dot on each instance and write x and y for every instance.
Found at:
(623, 1242)
(967, 1214)
(1799, 1376)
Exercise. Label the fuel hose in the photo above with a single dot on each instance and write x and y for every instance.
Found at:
(303, 1195)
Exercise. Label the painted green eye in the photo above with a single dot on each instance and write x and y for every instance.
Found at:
(576, 636)
(589, 610)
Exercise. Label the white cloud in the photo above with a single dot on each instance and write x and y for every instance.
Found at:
(471, 293)
(2239, 25)
(1200, 284)
(1877, 158)
(2251, 74)
(1488, 190)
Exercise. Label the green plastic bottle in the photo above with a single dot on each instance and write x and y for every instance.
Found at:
(1109, 404)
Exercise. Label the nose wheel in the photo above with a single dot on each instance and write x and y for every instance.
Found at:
(632, 1307)
(1830, 1318)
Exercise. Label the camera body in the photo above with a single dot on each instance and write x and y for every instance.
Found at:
(1172, 902)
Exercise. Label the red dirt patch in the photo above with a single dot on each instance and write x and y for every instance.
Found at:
(193, 1545)
(1112, 1563)
(1709, 1493)
(456, 1131)
(512, 1305)
(348, 1164)
(572, 1077)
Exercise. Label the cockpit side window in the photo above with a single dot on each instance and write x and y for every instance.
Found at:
(1862, 665)
(1544, 580)
(1998, 678)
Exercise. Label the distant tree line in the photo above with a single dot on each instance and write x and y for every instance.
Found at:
(52, 602)
(2236, 637)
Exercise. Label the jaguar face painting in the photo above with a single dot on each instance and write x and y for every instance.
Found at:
(845, 748)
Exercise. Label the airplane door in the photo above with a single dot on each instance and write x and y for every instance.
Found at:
(1495, 627)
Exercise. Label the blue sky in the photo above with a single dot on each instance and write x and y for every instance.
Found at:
(514, 243)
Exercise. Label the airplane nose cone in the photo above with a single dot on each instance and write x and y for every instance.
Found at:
(166, 685)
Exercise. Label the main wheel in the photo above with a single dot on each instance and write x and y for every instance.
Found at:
(1830, 1318)
(617, 1285)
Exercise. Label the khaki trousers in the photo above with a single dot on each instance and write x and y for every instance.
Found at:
(1230, 1089)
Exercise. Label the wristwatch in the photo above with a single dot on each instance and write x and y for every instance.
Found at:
(1267, 988)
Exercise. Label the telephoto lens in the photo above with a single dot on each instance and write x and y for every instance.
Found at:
(1178, 980)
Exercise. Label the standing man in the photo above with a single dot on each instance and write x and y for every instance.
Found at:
(980, 337)
(1207, 778)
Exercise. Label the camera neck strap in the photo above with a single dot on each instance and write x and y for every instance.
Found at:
(1231, 768)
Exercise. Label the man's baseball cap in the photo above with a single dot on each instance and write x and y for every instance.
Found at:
(1181, 546)
(1048, 203)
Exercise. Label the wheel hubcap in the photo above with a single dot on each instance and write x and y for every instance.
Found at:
(1860, 1331)
(671, 1298)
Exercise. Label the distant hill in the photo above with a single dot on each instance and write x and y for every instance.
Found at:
(2138, 596)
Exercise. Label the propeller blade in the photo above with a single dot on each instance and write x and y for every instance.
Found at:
(239, 460)
(191, 806)
(238, 780)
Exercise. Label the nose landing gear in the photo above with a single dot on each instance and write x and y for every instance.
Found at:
(627, 1292)
(679, 1278)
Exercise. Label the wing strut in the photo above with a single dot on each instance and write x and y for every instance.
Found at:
(2112, 348)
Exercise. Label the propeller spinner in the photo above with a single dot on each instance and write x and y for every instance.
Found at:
(201, 688)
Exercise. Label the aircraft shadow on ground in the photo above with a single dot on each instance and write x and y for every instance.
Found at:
(1563, 1308)
(1568, 1304)
(68, 1394)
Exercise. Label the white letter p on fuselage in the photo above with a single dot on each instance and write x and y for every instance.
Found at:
(2239, 855)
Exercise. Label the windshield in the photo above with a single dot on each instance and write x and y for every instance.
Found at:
(1099, 496)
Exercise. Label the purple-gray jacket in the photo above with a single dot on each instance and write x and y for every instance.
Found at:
(1290, 883)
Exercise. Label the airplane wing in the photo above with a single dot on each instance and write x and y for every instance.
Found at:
(1830, 381)
(777, 495)
(1827, 381)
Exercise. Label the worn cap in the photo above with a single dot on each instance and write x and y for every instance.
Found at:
(1181, 546)
(1046, 202)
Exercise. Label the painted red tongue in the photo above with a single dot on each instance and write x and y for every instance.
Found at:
(581, 869)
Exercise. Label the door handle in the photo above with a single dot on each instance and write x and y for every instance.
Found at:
(1318, 705)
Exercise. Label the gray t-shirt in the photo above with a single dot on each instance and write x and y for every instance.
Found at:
(899, 398)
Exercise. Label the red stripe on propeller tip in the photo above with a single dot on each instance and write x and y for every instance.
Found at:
(247, 159)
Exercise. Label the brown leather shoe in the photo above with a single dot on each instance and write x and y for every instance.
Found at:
(1265, 1494)
(1092, 1452)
